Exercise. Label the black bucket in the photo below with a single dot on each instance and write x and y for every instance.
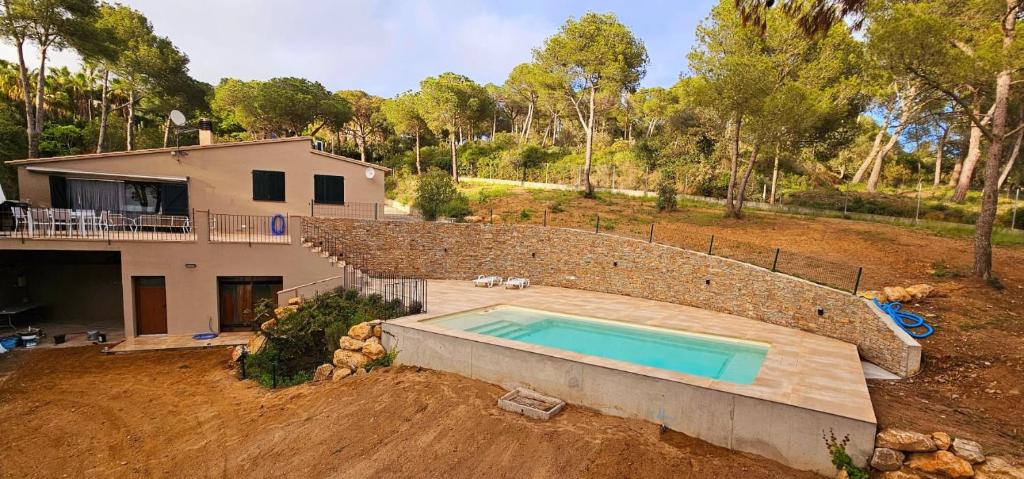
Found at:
(58, 339)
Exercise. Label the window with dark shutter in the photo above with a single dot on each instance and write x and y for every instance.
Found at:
(328, 189)
(267, 185)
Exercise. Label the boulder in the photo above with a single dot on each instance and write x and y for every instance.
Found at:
(237, 352)
(341, 373)
(997, 468)
(344, 358)
(256, 343)
(374, 350)
(940, 462)
(902, 474)
(373, 340)
(842, 474)
(906, 441)
(970, 451)
(350, 344)
(268, 325)
(361, 331)
(323, 372)
(896, 293)
(295, 301)
(885, 459)
(942, 440)
(880, 296)
(920, 291)
(377, 330)
(285, 310)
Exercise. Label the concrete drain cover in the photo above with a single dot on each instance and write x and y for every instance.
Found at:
(531, 404)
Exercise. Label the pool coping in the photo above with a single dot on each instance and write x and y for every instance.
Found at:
(779, 359)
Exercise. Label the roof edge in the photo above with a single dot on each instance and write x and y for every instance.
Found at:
(350, 160)
(112, 154)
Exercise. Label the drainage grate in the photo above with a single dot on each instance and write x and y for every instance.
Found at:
(531, 404)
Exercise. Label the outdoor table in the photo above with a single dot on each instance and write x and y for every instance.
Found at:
(10, 311)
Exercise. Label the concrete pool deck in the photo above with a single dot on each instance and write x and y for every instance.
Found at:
(807, 384)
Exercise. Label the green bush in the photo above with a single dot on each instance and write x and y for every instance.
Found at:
(667, 200)
(458, 207)
(434, 194)
(840, 458)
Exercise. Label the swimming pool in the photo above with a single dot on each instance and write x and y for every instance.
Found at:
(716, 357)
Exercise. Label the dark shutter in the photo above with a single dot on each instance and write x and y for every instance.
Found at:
(58, 192)
(328, 189)
(268, 185)
(175, 198)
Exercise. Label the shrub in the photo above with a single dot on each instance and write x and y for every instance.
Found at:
(667, 200)
(458, 207)
(436, 190)
(840, 459)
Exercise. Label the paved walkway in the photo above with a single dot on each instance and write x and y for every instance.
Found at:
(160, 342)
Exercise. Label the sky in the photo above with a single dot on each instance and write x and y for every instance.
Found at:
(386, 47)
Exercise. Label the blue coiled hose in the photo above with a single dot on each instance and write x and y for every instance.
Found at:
(907, 321)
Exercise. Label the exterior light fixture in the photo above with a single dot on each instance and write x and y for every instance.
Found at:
(190, 265)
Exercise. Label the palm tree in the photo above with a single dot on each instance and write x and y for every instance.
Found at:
(813, 16)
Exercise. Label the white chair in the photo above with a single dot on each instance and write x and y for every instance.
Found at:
(40, 218)
(20, 216)
(62, 218)
(517, 283)
(487, 281)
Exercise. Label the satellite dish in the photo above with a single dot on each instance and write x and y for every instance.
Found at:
(177, 117)
(370, 172)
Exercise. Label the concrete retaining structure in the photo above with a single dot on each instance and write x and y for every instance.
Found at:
(617, 265)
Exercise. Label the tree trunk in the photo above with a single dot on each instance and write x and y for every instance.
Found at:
(746, 179)
(874, 149)
(41, 93)
(419, 169)
(939, 152)
(494, 124)
(167, 130)
(130, 120)
(876, 172)
(527, 124)
(955, 174)
(730, 207)
(30, 117)
(589, 152)
(455, 164)
(775, 178)
(963, 183)
(361, 139)
(1013, 158)
(990, 192)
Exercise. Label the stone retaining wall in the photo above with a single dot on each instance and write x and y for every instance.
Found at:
(612, 264)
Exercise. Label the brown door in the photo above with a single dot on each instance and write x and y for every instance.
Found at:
(239, 297)
(150, 305)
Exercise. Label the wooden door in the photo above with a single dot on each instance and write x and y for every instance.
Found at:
(150, 305)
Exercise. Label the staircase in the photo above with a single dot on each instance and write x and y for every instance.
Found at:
(501, 328)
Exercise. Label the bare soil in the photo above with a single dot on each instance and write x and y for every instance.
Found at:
(972, 378)
(79, 413)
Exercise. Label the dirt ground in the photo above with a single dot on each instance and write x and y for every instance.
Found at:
(80, 413)
(972, 379)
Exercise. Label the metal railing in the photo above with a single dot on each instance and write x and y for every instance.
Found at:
(27, 223)
(358, 211)
(228, 228)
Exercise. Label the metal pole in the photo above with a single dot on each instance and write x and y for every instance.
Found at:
(711, 244)
(311, 208)
(917, 213)
(650, 239)
(597, 224)
(545, 216)
(775, 262)
(492, 216)
(1013, 219)
(375, 212)
(856, 283)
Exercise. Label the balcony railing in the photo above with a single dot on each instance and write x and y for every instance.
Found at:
(226, 228)
(63, 223)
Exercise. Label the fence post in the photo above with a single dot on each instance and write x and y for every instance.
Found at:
(856, 283)
(545, 216)
(775, 262)
(491, 217)
(311, 214)
(597, 224)
(274, 374)
(1013, 219)
(711, 244)
(245, 355)
(650, 239)
(375, 217)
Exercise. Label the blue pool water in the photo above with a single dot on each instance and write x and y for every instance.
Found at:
(702, 355)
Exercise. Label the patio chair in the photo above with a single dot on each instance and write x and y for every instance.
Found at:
(40, 218)
(20, 216)
(517, 283)
(62, 218)
(89, 221)
(114, 221)
(487, 281)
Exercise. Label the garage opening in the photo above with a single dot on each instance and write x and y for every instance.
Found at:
(61, 292)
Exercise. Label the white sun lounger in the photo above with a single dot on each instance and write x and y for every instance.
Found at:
(517, 283)
(487, 281)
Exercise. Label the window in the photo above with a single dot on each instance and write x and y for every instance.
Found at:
(239, 297)
(267, 185)
(328, 189)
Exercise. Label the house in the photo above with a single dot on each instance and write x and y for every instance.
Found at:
(174, 240)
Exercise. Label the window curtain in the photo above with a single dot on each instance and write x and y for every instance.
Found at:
(96, 195)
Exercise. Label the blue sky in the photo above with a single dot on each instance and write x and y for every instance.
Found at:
(388, 46)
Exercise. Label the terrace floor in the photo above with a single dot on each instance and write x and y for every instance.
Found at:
(801, 369)
(160, 342)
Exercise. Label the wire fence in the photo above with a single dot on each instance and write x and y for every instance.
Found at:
(838, 275)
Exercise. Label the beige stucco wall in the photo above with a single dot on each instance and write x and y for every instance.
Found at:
(192, 292)
(614, 264)
(220, 176)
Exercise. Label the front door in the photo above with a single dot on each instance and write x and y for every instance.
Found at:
(150, 305)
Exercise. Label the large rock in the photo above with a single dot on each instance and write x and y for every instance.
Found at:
(842, 474)
(970, 451)
(295, 301)
(256, 343)
(906, 441)
(323, 372)
(942, 440)
(940, 462)
(361, 331)
(880, 296)
(268, 325)
(920, 291)
(377, 331)
(373, 340)
(374, 350)
(902, 474)
(350, 344)
(237, 352)
(896, 293)
(285, 310)
(341, 373)
(885, 459)
(344, 358)
(998, 468)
